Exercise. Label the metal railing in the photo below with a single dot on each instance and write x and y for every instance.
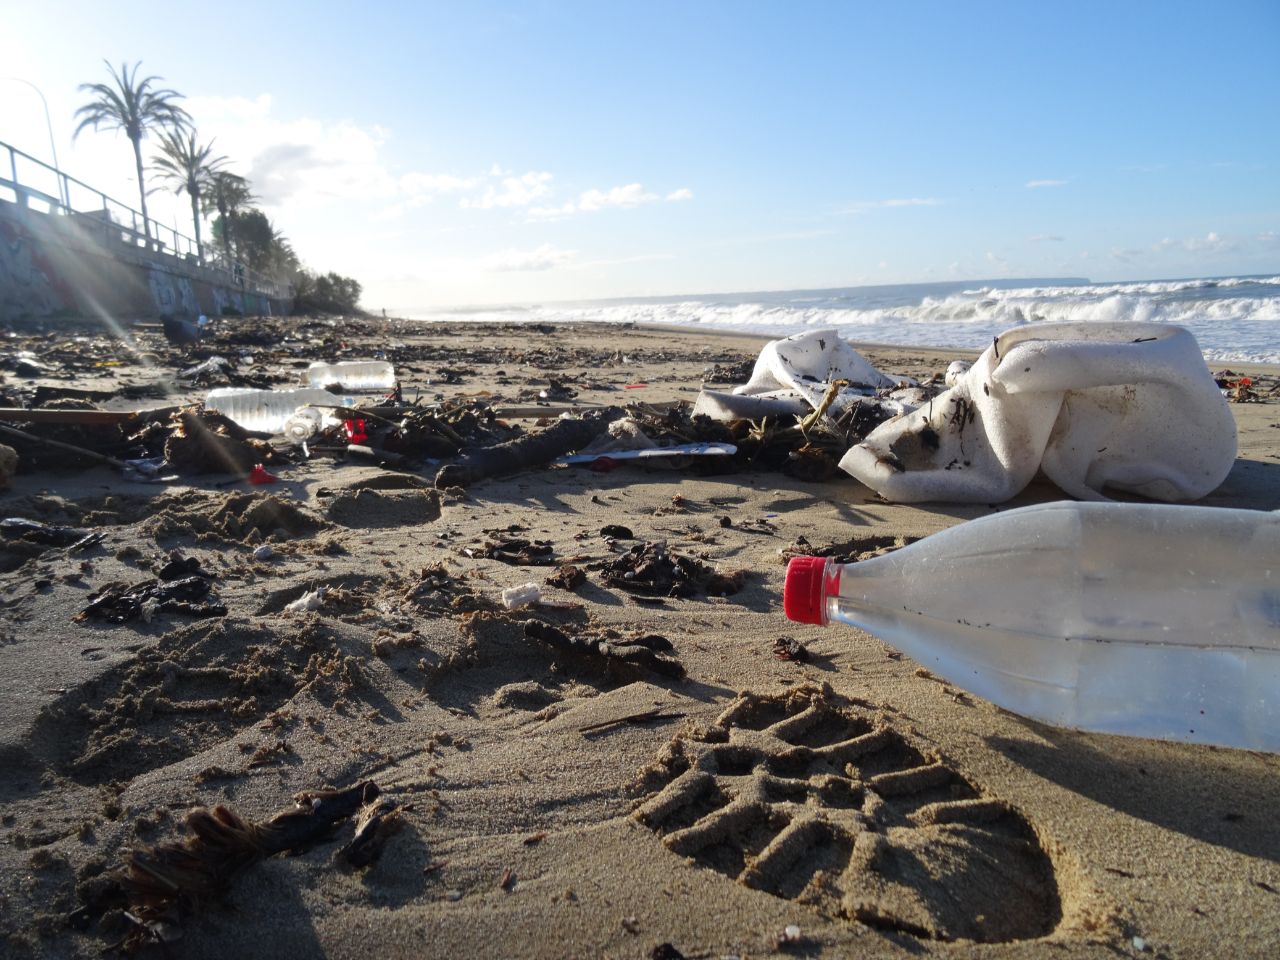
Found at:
(35, 185)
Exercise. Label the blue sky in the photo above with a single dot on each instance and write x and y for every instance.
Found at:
(448, 153)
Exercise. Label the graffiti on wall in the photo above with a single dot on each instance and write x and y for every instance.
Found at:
(172, 295)
(29, 286)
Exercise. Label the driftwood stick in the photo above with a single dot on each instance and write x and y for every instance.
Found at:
(535, 450)
(86, 418)
(44, 441)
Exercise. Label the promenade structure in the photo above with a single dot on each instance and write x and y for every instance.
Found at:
(68, 249)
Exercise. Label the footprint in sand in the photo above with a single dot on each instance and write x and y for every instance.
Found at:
(805, 799)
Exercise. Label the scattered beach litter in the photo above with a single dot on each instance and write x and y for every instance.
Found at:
(310, 601)
(213, 368)
(181, 587)
(513, 598)
(1126, 405)
(679, 450)
(162, 885)
(653, 570)
(1147, 643)
(267, 411)
(33, 531)
(351, 375)
(792, 375)
(373, 532)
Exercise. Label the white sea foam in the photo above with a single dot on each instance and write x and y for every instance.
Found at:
(1234, 318)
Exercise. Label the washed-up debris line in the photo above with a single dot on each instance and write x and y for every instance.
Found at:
(161, 885)
(503, 544)
(533, 450)
(653, 570)
(806, 449)
(846, 551)
(643, 653)
(1238, 388)
(49, 535)
(180, 586)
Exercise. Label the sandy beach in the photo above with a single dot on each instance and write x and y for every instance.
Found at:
(540, 784)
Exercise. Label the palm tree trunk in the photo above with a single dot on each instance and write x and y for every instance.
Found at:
(142, 188)
(226, 234)
(195, 220)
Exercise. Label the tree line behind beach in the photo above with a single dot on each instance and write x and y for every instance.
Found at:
(242, 233)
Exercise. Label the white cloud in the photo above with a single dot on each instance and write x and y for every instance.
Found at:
(553, 213)
(1211, 242)
(1037, 184)
(545, 257)
(996, 260)
(618, 198)
(298, 161)
(1269, 239)
(1045, 238)
(863, 205)
(632, 195)
(513, 191)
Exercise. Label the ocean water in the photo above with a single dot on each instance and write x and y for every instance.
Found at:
(1233, 318)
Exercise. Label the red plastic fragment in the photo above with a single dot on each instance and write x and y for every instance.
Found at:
(355, 430)
(258, 475)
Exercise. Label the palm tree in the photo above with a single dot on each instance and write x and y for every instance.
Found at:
(228, 193)
(133, 106)
(187, 167)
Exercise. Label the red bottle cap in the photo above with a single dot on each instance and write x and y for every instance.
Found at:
(803, 594)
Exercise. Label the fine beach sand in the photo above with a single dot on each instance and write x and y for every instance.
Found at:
(964, 831)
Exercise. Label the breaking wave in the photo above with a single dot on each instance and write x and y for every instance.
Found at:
(1233, 318)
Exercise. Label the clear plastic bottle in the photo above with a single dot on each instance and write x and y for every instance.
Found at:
(267, 411)
(352, 375)
(1149, 620)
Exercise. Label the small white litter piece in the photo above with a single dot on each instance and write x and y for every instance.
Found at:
(311, 600)
(513, 598)
(709, 449)
(264, 552)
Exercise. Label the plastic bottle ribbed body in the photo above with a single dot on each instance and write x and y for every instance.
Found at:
(352, 375)
(267, 411)
(1143, 619)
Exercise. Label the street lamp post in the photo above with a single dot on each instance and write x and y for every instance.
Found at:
(53, 147)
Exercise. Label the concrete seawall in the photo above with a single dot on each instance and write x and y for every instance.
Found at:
(81, 265)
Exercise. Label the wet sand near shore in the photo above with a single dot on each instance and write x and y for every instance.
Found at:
(614, 773)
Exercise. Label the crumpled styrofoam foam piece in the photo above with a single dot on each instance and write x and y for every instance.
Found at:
(956, 369)
(311, 600)
(792, 375)
(806, 362)
(1126, 405)
(513, 598)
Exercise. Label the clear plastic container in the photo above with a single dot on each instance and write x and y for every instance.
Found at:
(303, 425)
(352, 375)
(267, 411)
(1143, 619)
